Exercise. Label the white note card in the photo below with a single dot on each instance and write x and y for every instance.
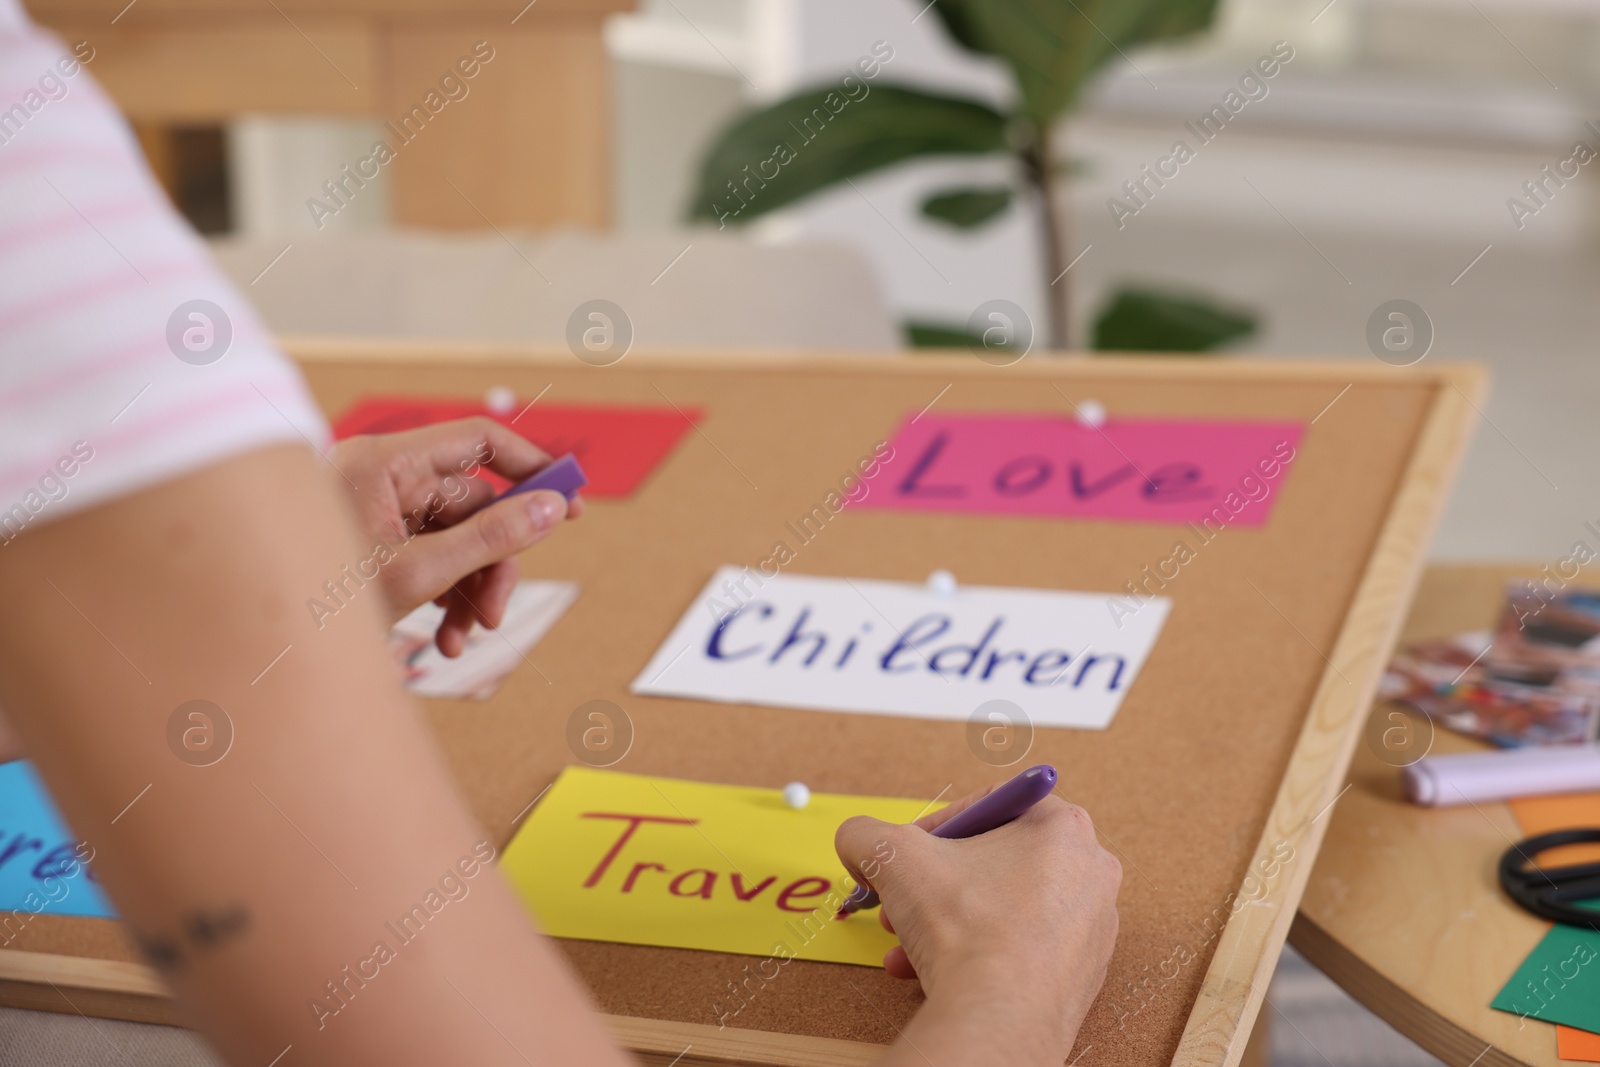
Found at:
(490, 655)
(899, 648)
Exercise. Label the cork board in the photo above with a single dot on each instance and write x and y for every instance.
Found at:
(1225, 754)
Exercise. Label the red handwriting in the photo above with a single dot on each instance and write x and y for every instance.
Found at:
(633, 824)
(738, 886)
(697, 881)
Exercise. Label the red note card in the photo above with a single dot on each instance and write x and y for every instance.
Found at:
(1143, 470)
(618, 447)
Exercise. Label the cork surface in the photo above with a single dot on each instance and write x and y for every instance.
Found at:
(1179, 786)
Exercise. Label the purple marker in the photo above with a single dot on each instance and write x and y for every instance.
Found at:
(563, 476)
(1006, 803)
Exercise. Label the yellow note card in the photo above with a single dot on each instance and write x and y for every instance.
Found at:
(607, 856)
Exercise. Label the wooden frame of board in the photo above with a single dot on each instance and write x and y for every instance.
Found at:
(1219, 1018)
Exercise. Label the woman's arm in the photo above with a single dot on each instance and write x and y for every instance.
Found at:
(264, 884)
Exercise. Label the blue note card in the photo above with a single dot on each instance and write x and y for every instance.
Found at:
(39, 869)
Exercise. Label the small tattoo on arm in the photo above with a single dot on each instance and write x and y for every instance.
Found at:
(201, 930)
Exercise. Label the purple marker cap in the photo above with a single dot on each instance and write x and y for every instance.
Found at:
(1006, 803)
(563, 476)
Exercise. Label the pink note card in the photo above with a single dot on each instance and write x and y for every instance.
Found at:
(1141, 470)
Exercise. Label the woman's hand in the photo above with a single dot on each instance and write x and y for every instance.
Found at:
(416, 496)
(1009, 932)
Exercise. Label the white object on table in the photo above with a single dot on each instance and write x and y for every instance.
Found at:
(1470, 777)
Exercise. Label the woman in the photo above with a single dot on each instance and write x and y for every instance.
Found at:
(168, 505)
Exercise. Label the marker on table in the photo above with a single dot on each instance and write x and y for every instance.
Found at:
(1006, 803)
(564, 476)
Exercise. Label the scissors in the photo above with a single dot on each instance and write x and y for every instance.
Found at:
(1553, 892)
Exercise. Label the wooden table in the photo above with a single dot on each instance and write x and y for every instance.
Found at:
(529, 145)
(1403, 909)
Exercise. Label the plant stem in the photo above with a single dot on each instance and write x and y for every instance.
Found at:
(1040, 165)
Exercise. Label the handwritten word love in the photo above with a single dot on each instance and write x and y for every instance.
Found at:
(1166, 471)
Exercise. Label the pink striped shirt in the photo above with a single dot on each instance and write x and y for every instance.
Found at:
(126, 357)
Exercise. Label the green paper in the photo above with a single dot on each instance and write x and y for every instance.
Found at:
(1559, 982)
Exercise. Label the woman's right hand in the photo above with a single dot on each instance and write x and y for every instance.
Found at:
(1019, 921)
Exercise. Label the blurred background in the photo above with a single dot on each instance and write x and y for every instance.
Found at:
(1380, 165)
(1384, 161)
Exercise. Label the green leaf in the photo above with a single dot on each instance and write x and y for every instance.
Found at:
(817, 138)
(1054, 46)
(1148, 320)
(959, 25)
(967, 208)
(921, 333)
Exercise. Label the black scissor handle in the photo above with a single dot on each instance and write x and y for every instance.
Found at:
(1549, 892)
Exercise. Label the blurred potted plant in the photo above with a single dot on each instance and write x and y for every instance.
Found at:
(1053, 48)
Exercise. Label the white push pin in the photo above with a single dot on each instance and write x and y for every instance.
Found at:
(500, 400)
(1092, 413)
(942, 583)
(797, 795)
